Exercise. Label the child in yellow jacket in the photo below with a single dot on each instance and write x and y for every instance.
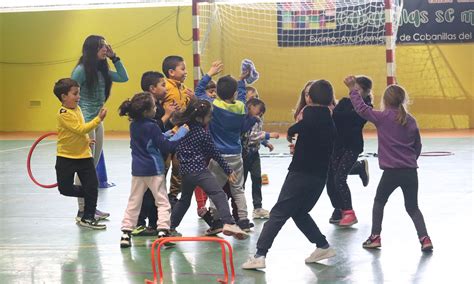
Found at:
(177, 93)
(74, 155)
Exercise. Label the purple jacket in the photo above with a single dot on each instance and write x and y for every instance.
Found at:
(399, 146)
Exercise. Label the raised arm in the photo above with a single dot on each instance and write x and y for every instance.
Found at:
(364, 110)
(200, 91)
(121, 74)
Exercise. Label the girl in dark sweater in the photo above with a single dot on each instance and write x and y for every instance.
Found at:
(194, 151)
(348, 145)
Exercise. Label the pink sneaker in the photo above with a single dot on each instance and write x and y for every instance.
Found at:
(372, 242)
(426, 244)
(348, 218)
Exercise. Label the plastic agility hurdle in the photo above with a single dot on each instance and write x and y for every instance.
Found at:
(156, 250)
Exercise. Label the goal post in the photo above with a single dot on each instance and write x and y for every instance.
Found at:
(292, 42)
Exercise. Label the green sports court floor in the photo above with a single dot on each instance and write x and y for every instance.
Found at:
(40, 242)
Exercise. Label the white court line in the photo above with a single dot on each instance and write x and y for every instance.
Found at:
(25, 147)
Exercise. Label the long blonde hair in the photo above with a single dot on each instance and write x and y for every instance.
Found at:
(395, 96)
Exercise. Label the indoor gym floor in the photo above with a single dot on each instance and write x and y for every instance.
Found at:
(40, 242)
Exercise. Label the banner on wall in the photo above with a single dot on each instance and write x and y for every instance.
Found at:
(421, 21)
(437, 21)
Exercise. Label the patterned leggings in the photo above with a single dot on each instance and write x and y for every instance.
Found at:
(340, 166)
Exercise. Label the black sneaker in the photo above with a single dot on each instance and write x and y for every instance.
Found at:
(164, 233)
(364, 172)
(336, 216)
(245, 225)
(126, 239)
(91, 223)
(215, 228)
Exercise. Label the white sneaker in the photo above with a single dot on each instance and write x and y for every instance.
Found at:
(254, 263)
(235, 231)
(320, 254)
(261, 213)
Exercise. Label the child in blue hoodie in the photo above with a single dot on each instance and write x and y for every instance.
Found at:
(149, 145)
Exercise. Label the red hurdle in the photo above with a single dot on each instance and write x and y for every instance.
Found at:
(160, 242)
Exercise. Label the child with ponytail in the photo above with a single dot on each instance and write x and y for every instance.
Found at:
(194, 151)
(399, 146)
(149, 145)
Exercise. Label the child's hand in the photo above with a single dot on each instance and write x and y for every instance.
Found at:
(244, 75)
(216, 68)
(169, 109)
(91, 142)
(232, 178)
(270, 147)
(350, 82)
(189, 93)
(102, 113)
(275, 135)
(109, 53)
(290, 138)
(292, 148)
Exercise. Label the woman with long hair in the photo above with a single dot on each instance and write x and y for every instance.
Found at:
(95, 79)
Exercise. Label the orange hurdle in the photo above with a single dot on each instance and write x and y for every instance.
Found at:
(160, 242)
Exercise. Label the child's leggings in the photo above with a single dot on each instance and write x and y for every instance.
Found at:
(340, 166)
(391, 179)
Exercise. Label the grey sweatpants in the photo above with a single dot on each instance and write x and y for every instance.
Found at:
(236, 189)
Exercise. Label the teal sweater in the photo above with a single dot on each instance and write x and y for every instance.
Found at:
(93, 99)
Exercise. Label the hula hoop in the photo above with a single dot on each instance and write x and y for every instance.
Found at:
(28, 161)
(436, 154)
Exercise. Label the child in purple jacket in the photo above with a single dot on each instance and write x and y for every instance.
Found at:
(399, 146)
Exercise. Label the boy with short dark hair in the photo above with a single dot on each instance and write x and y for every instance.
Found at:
(73, 151)
(174, 69)
(227, 117)
(306, 177)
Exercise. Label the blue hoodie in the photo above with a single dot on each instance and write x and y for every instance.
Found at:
(227, 118)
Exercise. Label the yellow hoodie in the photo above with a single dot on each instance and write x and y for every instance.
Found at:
(175, 91)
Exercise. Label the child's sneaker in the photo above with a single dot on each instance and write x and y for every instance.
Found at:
(163, 233)
(348, 218)
(364, 172)
(372, 242)
(138, 231)
(336, 216)
(254, 263)
(245, 225)
(235, 231)
(320, 254)
(91, 223)
(149, 231)
(261, 213)
(126, 239)
(215, 229)
(426, 244)
(174, 233)
(99, 215)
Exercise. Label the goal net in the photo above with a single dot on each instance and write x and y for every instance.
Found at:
(292, 42)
